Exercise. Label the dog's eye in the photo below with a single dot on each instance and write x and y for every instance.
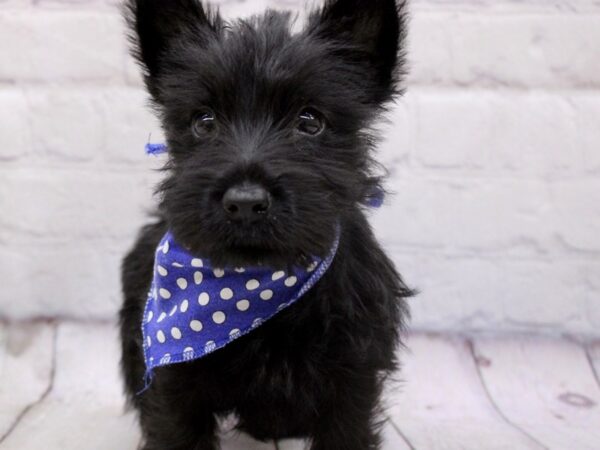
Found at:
(310, 122)
(203, 123)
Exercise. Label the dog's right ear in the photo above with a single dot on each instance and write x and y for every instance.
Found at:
(370, 31)
(162, 26)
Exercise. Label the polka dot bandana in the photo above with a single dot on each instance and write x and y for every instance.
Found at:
(194, 309)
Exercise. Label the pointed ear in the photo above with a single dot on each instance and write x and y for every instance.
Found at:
(375, 29)
(159, 26)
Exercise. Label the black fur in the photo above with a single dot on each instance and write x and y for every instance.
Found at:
(316, 370)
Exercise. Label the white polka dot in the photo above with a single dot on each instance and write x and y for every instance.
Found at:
(290, 281)
(164, 293)
(219, 273)
(165, 248)
(312, 266)
(162, 271)
(235, 333)
(162, 317)
(148, 341)
(149, 317)
(243, 305)
(188, 353)
(218, 317)
(198, 277)
(203, 299)
(252, 284)
(210, 346)
(178, 265)
(226, 294)
(182, 283)
(196, 325)
(266, 294)
(176, 333)
(173, 311)
(165, 359)
(184, 306)
(257, 322)
(160, 337)
(278, 275)
(240, 269)
(196, 262)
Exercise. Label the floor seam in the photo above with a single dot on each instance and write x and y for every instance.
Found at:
(397, 429)
(13, 426)
(488, 394)
(592, 366)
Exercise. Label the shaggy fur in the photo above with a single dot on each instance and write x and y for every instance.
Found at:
(315, 370)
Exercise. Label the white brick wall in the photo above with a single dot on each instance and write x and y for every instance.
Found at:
(494, 157)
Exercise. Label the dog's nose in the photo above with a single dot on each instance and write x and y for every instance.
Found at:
(247, 201)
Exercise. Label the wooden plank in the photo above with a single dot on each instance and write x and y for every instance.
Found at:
(25, 369)
(85, 407)
(546, 386)
(441, 403)
(84, 410)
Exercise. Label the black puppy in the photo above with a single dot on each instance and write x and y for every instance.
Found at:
(282, 120)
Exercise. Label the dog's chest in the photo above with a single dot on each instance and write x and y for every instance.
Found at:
(281, 362)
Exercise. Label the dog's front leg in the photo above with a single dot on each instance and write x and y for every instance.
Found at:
(169, 429)
(350, 422)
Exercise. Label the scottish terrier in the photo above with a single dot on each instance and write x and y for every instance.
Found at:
(259, 290)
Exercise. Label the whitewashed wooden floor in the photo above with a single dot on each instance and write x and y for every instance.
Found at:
(59, 389)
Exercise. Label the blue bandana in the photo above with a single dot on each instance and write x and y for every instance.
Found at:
(194, 309)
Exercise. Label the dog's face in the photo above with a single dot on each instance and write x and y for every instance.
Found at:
(268, 130)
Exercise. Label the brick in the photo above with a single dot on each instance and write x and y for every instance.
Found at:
(61, 45)
(15, 3)
(453, 130)
(587, 107)
(129, 124)
(476, 215)
(519, 216)
(499, 294)
(65, 204)
(535, 133)
(478, 49)
(508, 6)
(577, 213)
(67, 123)
(60, 280)
(86, 123)
(15, 137)
(450, 291)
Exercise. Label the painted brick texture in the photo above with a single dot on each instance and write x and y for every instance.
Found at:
(493, 158)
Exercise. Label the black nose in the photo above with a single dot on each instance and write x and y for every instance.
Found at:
(247, 201)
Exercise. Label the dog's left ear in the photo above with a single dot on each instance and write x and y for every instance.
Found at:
(373, 31)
